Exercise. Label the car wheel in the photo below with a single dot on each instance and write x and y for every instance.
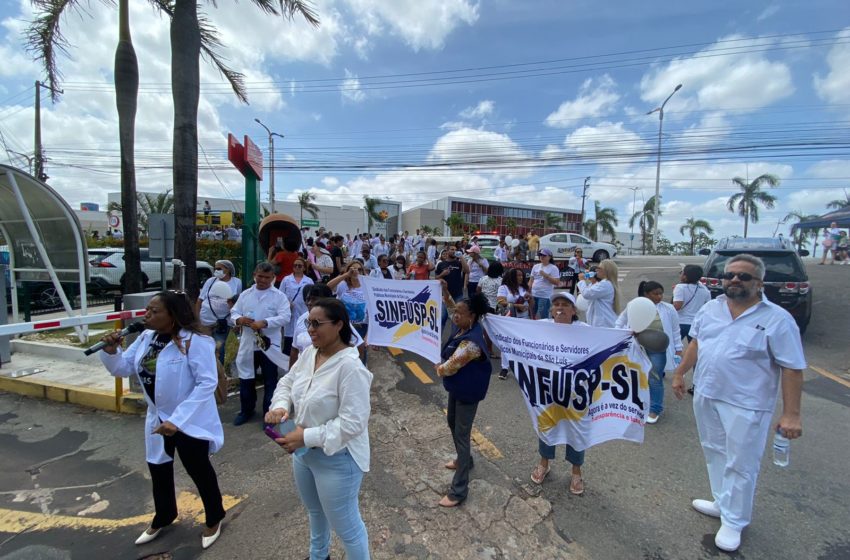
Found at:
(48, 297)
(600, 255)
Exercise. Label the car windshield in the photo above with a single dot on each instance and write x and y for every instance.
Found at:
(779, 267)
(488, 242)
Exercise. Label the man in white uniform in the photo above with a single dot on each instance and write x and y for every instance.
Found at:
(742, 346)
(262, 310)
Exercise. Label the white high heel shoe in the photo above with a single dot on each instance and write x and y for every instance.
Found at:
(146, 537)
(207, 542)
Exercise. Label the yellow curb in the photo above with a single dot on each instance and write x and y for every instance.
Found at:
(484, 445)
(418, 372)
(831, 376)
(60, 392)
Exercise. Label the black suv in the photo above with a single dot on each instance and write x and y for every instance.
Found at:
(785, 280)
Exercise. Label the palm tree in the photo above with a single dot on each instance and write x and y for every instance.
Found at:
(492, 223)
(606, 219)
(305, 201)
(455, 223)
(799, 235)
(645, 218)
(590, 228)
(694, 228)
(839, 204)
(511, 226)
(552, 221)
(146, 205)
(751, 196)
(372, 214)
(187, 30)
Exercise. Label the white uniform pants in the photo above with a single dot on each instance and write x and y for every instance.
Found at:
(733, 441)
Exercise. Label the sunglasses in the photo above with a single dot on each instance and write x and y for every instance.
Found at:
(314, 324)
(743, 276)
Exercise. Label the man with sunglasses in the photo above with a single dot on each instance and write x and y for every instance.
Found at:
(742, 346)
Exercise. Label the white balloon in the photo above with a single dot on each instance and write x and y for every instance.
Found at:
(582, 304)
(515, 243)
(640, 312)
(508, 239)
(221, 290)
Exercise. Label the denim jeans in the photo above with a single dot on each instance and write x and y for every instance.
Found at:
(220, 344)
(548, 452)
(656, 381)
(329, 487)
(541, 307)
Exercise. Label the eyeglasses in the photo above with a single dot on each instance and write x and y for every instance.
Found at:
(314, 324)
(743, 276)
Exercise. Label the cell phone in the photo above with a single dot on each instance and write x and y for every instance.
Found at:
(271, 432)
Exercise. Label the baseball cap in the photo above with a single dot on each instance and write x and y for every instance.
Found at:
(546, 252)
(562, 295)
(474, 249)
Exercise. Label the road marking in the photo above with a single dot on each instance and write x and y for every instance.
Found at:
(396, 351)
(832, 376)
(417, 371)
(484, 445)
(11, 521)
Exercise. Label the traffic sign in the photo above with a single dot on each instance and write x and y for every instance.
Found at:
(114, 221)
(309, 223)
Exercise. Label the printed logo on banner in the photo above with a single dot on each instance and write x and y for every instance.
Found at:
(409, 316)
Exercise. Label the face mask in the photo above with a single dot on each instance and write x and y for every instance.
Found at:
(218, 273)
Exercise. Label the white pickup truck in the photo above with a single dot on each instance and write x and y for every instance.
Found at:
(564, 245)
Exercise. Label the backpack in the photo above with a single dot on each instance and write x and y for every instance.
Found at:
(223, 380)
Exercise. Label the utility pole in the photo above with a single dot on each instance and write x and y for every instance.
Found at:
(271, 162)
(583, 196)
(634, 202)
(660, 111)
(38, 170)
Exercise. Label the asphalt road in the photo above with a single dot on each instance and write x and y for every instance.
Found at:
(79, 475)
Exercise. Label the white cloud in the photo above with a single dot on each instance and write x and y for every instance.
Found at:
(480, 148)
(422, 24)
(768, 12)
(483, 109)
(595, 98)
(605, 139)
(350, 89)
(834, 86)
(741, 80)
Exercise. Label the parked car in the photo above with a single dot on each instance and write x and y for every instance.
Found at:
(106, 268)
(488, 244)
(786, 282)
(564, 245)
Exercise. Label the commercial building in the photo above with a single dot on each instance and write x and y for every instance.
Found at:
(507, 217)
(343, 218)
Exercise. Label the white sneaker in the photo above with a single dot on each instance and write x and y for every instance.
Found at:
(727, 539)
(706, 507)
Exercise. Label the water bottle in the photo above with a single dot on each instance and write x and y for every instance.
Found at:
(781, 450)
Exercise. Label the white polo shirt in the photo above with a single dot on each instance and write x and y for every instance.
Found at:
(739, 360)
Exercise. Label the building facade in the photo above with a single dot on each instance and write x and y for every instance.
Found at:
(479, 215)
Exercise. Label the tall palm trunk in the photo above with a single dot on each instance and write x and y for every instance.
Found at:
(126, 94)
(185, 84)
(746, 217)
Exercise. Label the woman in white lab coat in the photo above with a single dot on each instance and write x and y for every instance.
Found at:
(326, 393)
(603, 295)
(176, 366)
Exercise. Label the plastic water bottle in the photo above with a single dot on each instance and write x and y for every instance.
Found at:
(781, 450)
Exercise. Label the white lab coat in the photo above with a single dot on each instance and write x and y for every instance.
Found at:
(185, 389)
(670, 322)
(600, 311)
(269, 305)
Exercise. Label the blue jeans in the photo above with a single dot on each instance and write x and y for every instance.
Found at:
(656, 381)
(220, 343)
(575, 458)
(329, 487)
(541, 307)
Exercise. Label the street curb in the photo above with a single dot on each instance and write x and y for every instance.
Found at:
(59, 392)
(48, 350)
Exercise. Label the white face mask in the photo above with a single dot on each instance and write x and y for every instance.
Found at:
(218, 273)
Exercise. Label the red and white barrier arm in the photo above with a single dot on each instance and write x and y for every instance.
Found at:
(65, 322)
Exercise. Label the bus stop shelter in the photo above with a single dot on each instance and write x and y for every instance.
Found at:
(45, 240)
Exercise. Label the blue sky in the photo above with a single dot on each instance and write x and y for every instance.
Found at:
(499, 100)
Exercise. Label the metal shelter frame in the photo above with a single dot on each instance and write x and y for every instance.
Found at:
(34, 216)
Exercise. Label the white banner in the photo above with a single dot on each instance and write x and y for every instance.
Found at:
(582, 385)
(405, 314)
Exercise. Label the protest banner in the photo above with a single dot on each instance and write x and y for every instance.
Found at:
(582, 385)
(405, 314)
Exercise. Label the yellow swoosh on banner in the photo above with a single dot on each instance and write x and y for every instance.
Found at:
(555, 413)
(408, 328)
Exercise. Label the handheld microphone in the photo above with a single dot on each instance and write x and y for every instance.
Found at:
(134, 328)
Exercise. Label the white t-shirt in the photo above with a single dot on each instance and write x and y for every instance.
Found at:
(512, 298)
(476, 269)
(542, 288)
(219, 305)
(693, 296)
(354, 300)
(600, 311)
(294, 291)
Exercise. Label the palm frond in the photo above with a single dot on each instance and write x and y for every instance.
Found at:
(290, 8)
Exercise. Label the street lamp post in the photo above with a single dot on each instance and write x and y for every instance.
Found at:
(583, 196)
(634, 202)
(658, 170)
(271, 161)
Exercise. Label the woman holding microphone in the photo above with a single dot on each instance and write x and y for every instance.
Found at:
(176, 366)
(326, 393)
